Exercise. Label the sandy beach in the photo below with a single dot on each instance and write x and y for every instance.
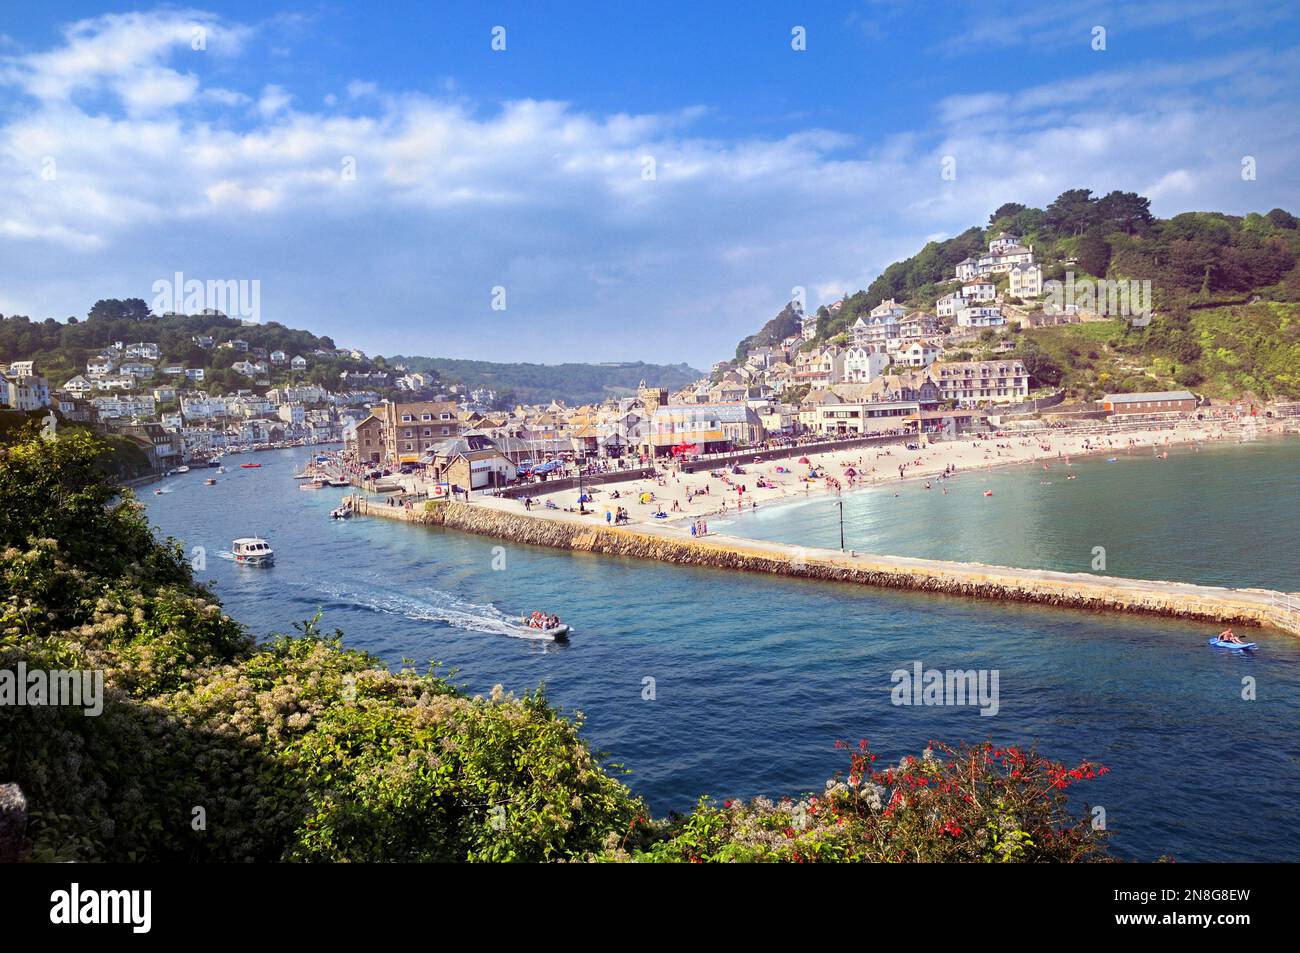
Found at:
(685, 499)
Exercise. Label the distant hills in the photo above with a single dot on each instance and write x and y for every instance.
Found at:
(1225, 289)
(539, 383)
(61, 349)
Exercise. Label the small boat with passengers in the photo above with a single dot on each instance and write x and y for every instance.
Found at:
(541, 626)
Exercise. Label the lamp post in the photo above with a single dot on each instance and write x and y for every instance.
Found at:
(840, 504)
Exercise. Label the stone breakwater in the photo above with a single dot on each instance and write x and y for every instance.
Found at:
(972, 580)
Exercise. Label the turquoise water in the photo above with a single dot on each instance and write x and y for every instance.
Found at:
(1226, 515)
(756, 677)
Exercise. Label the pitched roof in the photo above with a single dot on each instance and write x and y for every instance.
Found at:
(1148, 395)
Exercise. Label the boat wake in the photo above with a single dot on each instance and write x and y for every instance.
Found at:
(438, 607)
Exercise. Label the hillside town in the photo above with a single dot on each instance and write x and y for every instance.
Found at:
(894, 371)
(127, 390)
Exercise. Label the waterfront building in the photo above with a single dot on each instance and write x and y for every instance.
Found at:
(969, 381)
(1150, 402)
(844, 419)
(412, 428)
(709, 427)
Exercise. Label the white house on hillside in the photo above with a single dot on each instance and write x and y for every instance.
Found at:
(1026, 281)
(862, 365)
(980, 316)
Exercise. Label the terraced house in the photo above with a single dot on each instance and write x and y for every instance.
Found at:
(972, 381)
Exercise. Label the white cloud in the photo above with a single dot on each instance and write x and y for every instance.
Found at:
(273, 100)
(451, 197)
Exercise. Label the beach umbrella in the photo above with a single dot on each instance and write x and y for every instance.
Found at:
(849, 471)
(804, 460)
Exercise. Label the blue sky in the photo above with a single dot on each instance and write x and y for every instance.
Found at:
(126, 155)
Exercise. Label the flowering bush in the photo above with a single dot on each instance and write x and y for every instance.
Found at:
(971, 803)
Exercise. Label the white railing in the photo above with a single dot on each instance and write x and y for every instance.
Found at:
(1287, 605)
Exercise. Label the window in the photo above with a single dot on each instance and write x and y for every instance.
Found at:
(426, 416)
(446, 431)
(428, 432)
(406, 419)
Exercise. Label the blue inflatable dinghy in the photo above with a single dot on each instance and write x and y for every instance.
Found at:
(1218, 643)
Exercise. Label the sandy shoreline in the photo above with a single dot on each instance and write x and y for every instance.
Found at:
(688, 498)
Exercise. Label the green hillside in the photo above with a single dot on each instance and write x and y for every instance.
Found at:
(540, 383)
(61, 349)
(1225, 291)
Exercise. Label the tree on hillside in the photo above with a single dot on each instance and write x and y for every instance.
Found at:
(1043, 370)
(130, 309)
(1094, 254)
(1125, 212)
(1283, 219)
(1006, 210)
(1072, 213)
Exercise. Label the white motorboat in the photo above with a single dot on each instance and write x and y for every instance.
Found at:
(253, 551)
(182, 469)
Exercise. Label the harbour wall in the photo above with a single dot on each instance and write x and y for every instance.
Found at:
(971, 580)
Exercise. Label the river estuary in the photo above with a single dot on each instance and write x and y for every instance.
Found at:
(754, 678)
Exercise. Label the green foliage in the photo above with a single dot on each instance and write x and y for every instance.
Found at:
(785, 324)
(1043, 369)
(62, 349)
(295, 750)
(1094, 254)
